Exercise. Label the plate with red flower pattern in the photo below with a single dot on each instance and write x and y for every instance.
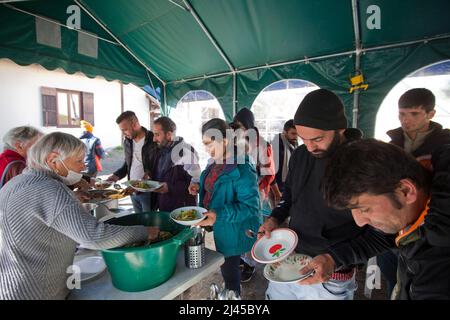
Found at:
(287, 270)
(282, 243)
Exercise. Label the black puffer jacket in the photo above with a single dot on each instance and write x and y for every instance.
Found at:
(149, 154)
(320, 228)
(424, 262)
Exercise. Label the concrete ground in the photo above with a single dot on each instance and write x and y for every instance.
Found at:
(252, 290)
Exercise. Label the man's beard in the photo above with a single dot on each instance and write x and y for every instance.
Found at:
(134, 134)
(164, 144)
(331, 148)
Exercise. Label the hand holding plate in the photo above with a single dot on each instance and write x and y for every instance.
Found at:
(323, 266)
(163, 189)
(211, 217)
(267, 227)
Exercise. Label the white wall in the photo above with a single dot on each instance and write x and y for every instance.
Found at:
(21, 103)
(135, 100)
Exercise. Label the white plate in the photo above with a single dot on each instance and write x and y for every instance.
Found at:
(287, 270)
(90, 267)
(200, 211)
(153, 185)
(282, 242)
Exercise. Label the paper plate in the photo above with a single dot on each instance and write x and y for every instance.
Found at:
(151, 185)
(90, 267)
(287, 270)
(175, 215)
(281, 243)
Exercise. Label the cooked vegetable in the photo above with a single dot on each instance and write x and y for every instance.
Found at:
(99, 195)
(140, 184)
(102, 185)
(188, 215)
(163, 235)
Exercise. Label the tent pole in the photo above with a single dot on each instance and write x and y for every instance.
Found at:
(202, 77)
(346, 53)
(401, 44)
(234, 94)
(165, 99)
(208, 34)
(178, 5)
(266, 66)
(56, 22)
(117, 39)
(357, 61)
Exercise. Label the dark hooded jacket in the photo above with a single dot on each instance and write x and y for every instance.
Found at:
(424, 256)
(149, 154)
(437, 137)
(176, 177)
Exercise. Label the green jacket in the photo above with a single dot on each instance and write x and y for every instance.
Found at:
(235, 199)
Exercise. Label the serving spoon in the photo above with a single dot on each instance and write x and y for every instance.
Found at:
(252, 234)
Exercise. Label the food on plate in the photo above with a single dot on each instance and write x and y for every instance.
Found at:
(188, 215)
(140, 184)
(100, 185)
(99, 195)
(116, 196)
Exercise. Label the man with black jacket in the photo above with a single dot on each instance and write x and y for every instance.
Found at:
(140, 154)
(387, 189)
(321, 124)
(176, 167)
(419, 136)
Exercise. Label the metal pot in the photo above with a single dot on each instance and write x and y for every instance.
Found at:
(103, 206)
(90, 207)
(101, 210)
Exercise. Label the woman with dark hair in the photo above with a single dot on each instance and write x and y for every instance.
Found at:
(229, 190)
(248, 139)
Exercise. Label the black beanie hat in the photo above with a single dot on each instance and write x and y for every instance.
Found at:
(246, 117)
(321, 109)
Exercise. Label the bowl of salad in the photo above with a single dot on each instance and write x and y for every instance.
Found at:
(143, 185)
(188, 216)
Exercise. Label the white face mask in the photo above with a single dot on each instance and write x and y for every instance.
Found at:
(72, 176)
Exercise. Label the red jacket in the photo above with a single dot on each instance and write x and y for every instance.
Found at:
(11, 164)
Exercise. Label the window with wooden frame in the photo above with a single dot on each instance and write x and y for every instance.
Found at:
(66, 108)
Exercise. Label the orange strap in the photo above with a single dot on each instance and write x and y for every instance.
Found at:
(410, 229)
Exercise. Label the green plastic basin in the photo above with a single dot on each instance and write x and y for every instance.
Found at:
(143, 268)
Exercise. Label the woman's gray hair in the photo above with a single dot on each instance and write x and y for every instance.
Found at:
(66, 145)
(21, 134)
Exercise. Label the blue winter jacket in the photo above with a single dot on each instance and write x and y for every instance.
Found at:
(235, 199)
(93, 148)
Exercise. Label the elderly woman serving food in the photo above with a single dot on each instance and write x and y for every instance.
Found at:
(41, 222)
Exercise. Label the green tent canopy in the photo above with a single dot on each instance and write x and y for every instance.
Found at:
(234, 48)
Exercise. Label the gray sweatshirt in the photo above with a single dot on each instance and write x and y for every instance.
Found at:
(41, 221)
